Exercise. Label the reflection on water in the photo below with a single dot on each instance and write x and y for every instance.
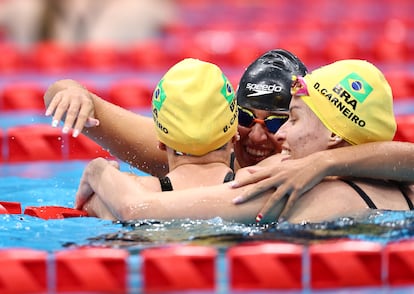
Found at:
(379, 226)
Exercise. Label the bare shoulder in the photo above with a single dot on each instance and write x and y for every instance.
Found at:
(146, 183)
(328, 200)
(273, 160)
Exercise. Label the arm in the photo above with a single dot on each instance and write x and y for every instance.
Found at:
(125, 199)
(127, 135)
(380, 160)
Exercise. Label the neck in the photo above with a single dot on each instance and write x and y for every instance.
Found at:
(220, 157)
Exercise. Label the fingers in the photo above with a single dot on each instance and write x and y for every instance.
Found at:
(83, 194)
(75, 118)
(253, 169)
(289, 204)
(274, 200)
(252, 178)
(114, 163)
(92, 122)
(255, 191)
(75, 108)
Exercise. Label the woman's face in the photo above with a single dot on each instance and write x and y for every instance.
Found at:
(303, 133)
(256, 142)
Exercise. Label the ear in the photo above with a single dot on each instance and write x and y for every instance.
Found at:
(162, 146)
(334, 140)
(236, 138)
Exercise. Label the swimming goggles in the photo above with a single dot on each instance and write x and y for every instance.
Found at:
(272, 123)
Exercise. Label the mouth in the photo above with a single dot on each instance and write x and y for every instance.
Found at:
(258, 153)
(285, 151)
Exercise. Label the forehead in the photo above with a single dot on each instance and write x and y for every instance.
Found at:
(298, 108)
(297, 103)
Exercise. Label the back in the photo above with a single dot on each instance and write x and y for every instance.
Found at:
(334, 198)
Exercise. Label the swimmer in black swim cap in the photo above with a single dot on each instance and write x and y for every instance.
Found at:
(263, 96)
(266, 82)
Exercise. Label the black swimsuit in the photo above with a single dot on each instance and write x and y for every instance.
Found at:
(369, 201)
(166, 185)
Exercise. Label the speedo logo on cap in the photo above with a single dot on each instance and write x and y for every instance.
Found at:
(262, 89)
(356, 86)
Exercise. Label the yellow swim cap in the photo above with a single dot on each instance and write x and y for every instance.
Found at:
(194, 108)
(353, 100)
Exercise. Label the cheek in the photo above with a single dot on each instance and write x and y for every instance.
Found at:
(243, 132)
(304, 139)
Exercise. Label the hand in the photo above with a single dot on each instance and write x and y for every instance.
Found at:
(92, 170)
(75, 106)
(84, 193)
(291, 179)
(96, 208)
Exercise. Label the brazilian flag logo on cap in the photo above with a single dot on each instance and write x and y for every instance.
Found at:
(227, 90)
(158, 96)
(356, 86)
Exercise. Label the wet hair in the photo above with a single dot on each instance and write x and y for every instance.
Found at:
(266, 82)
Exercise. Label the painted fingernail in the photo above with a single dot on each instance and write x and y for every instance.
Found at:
(65, 130)
(55, 123)
(237, 200)
(233, 184)
(75, 133)
(259, 217)
(47, 113)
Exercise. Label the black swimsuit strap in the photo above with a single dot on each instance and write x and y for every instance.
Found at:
(361, 193)
(229, 177)
(165, 183)
(232, 159)
(403, 190)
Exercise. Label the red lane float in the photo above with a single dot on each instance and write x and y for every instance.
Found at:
(265, 266)
(54, 212)
(345, 264)
(399, 260)
(91, 269)
(7, 207)
(179, 268)
(23, 271)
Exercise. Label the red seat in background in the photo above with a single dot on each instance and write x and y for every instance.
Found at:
(151, 55)
(2, 140)
(131, 93)
(405, 128)
(83, 147)
(97, 57)
(11, 58)
(22, 96)
(34, 143)
(401, 82)
(50, 57)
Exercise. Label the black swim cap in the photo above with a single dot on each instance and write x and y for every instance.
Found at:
(267, 81)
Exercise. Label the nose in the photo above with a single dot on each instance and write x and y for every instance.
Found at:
(281, 134)
(258, 133)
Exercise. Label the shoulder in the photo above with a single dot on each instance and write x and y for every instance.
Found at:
(273, 160)
(326, 201)
(146, 183)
